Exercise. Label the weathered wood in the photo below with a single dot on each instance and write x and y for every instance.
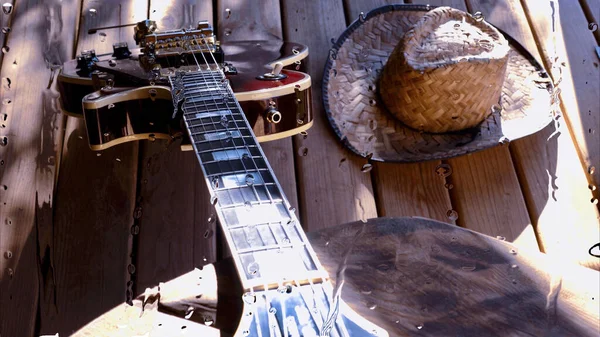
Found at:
(32, 124)
(175, 234)
(555, 185)
(329, 193)
(415, 276)
(569, 40)
(94, 200)
(243, 21)
(404, 189)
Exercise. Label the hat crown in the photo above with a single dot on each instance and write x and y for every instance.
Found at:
(446, 73)
(446, 36)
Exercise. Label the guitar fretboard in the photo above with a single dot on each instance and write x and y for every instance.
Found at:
(261, 229)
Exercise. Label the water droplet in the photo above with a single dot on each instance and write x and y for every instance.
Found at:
(103, 38)
(372, 102)
(8, 254)
(272, 310)
(514, 266)
(135, 230)
(189, 313)
(6, 30)
(452, 215)
(372, 306)
(224, 121)
(227, 31)
(514, 281)
(468, 268)
(248, 205)
(303, 151)
(501, 238)
(513, 251)
(366, 290)
(287, 241)
(6, 101)
(249, 298)
(245, 156)
(5, 49)
(478, 16)
(591, 170)
(249, 179)
(496, 109)
(7, 8)
(137, 212)
(253, 268)
(449, 186)
(208, 234)
(372, 124)
(594, 201)
(304, 134)
(214, 200)
(131, 269)
(245, 332)
(208, 321)
(98, 154)
(361, 17)
(228, 12)
(504, 141)
(11, 272)
(443, 170)
(366, 168)
(420, 326)
(384, 267)
(593, 26)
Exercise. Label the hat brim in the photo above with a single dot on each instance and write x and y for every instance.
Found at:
(362, 123)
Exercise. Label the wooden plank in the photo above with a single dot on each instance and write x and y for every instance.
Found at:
(32, 125)
(486, 185)
(329, 194)
(557, 189)
(242, 21)
(573, 44)
(174, 232)
(94, 200)
(405, 189)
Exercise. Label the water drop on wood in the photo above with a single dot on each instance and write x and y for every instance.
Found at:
(227, 31)
(7, 8)
(366, 168)
(303, 151)
(443, 170)
(6, 30)
(593, 26)
(452, 215)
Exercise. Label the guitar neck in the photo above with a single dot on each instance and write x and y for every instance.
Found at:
(261, 228)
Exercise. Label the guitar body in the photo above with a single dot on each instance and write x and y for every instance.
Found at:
(127, 112)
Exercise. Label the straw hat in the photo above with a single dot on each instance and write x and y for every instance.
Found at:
(409, 83)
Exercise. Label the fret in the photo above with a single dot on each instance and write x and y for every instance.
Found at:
(263, 232)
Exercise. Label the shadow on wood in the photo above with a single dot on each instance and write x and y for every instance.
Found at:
(408, 275)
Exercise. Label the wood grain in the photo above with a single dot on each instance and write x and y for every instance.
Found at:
(243, 21)
(329, 193)
(485, 186)
(405, 189)
(41, 38)
(174, 232)
(418, 277)
(573, 44)
(555, 185)
(94, 200)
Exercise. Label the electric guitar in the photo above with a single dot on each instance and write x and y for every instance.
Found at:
(180, 83)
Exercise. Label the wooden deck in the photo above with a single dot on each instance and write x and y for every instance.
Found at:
(81, 232)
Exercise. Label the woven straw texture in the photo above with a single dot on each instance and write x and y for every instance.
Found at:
(448, 56)
(360, 119)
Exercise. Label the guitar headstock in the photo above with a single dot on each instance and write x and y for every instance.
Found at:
(301, 311)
